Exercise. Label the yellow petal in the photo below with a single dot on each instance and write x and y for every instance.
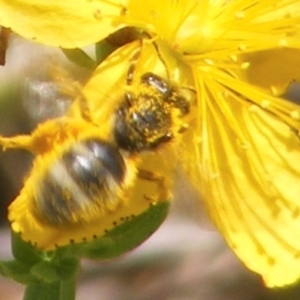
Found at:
(67, 24)
(244, 159)
(274, 69)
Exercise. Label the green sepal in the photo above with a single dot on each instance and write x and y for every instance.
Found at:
(23, 251)
(121, 238)
(80, 58)
(116, 40)
(67, 267)
(17, 271)
(33, 266)
(103, 49)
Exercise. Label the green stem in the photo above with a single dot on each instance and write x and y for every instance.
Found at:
(58, 290)
(68, 289)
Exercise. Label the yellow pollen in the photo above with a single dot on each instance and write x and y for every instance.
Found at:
(274, 90)
(271, 260)
(265, 103)
(97, 14)
(240, 15)
(214, 176)
(295, 114)
(242, 47)
(295, 213)
(245, 65)
(209, 62)
(198, 139)
(275, 211)
(245, 145)
(15, 227)
(154, 14)
(282, 43)
(233, 57)
(288, 15)
(225, 94)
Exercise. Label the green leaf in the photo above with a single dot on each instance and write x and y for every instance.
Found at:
(32, 266)
(80, 58)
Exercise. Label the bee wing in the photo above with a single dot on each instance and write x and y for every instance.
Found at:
(244, 160)
(67, 24)
(103, 92)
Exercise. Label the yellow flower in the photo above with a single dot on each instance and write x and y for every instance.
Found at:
(242, 151)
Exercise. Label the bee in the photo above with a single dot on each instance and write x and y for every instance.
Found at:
(242, 150)
(88, 166)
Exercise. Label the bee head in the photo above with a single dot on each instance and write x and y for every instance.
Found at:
(147, 118)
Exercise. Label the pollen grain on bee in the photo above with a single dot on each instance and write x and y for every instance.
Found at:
(98, 14)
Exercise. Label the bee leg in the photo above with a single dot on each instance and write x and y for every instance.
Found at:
(16, 142)
(151, 39)
(163, 191)
(133, 62)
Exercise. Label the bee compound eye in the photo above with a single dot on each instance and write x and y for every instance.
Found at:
(89, 174)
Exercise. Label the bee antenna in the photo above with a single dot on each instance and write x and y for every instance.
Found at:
(162, 60)
(137, 54)
(152, 39)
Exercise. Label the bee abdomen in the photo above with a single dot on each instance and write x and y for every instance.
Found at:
(86, 178)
